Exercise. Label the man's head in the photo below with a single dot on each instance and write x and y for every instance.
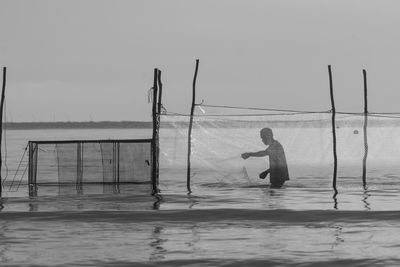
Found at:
(266, 136)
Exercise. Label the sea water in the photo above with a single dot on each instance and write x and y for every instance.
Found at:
(231, 218)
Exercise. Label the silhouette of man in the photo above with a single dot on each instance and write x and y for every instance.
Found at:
(278, 170)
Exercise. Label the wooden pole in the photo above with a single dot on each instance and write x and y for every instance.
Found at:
(30, 168)
(364, 174)
(159, 107)
(159, 92)
(190, 126)
(153, 142)
(365, 92)
(30, 163)
(3, 91)
(333, 130)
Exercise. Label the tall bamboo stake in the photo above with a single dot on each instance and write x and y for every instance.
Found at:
(154, 138)
(333, 129)
(3, 92)
(190, 127)
(364, 174)
(159, 107)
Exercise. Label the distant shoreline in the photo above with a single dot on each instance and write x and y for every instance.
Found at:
(79, 125)
(372, 122)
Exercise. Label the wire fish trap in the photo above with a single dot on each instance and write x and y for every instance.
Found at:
(89, 161)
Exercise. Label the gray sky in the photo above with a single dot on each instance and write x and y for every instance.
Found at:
(94, 59)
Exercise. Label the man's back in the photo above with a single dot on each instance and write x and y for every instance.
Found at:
(277, 163)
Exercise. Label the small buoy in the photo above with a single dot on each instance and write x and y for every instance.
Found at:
(355, 131)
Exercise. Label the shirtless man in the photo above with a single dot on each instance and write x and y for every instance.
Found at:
(278, 170)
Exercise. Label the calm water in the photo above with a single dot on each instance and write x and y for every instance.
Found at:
(231, 218)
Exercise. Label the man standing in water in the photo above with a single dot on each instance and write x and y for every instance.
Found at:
(278, 170)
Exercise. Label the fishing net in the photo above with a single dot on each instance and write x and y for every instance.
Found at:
(94, 161)
(221, 134)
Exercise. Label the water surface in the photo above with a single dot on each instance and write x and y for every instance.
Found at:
(230, 218)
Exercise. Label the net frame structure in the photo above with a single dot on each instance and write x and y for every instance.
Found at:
(115, 161)
(155, 98)
(158, 110)
(365, 114)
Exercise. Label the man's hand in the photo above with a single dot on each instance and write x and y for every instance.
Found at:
(245, 155)
(264, 174)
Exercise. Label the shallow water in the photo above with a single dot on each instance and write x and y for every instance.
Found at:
(225, 221)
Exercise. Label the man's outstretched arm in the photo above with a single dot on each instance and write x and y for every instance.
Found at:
(261, 153)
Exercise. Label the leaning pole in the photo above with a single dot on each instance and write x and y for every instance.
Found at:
(333, 130)
(3, 91)
(190, 127)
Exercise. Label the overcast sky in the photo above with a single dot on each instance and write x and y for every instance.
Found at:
(76, 60)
